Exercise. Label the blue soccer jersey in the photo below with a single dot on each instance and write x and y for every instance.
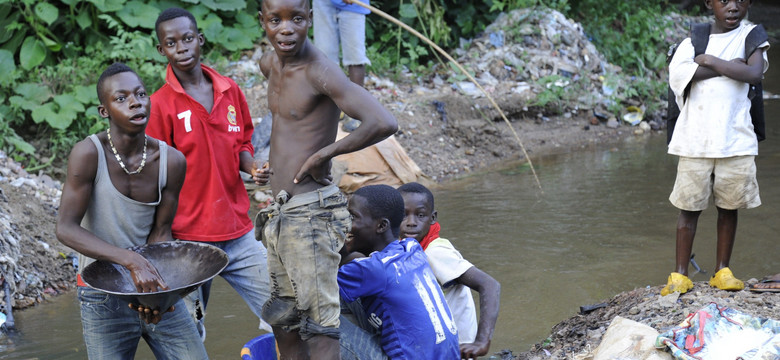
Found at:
(402, 299)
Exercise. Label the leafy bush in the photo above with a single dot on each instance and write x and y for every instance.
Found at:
(52, 52)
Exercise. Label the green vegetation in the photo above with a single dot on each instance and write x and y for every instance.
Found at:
(52, 51)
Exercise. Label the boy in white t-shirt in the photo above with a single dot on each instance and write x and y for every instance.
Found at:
(714, 138)
(456, 275)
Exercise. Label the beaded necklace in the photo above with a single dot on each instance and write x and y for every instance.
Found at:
(122, 164)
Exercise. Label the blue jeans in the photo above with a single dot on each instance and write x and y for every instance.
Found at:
(247, 273)
(334, 27)
(359, 340)
(112, 330)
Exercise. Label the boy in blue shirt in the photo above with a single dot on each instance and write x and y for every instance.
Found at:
(395, 284)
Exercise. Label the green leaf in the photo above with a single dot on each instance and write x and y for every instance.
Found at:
(234, 39)
(407, 11)
(51, 44)
(70, 2)
(224, 5)
(69, 110)
(6, 20)
(20, 144)
(16, 41)
(8, 66)
(47, 12)
(44, 112)
(22, 103)
(106, 6)
(212, 27)
(68, 102)
(246, 20)
(85, 94)
(84, 20)
(33, 92)
(32, 54)
(137, 14)
(199, 12)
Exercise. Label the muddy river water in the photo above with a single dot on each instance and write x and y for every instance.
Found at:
(602, 225)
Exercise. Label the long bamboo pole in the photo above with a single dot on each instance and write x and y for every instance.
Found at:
(445, 54)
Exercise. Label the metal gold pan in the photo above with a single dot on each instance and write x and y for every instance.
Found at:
(183, 265)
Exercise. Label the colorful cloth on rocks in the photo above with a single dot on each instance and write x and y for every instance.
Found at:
(722, 333)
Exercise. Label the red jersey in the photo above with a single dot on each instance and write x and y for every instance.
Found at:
(213, 203)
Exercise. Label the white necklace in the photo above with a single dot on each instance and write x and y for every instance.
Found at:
(116, 154)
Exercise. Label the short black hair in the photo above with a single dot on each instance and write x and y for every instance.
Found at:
(170, 14)
(417, 188)
(110, 71)
(261, 2)
(384, 202)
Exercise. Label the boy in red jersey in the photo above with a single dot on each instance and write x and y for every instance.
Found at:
(205, 116)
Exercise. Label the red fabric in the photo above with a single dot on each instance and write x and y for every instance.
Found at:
(80, 282)
(213, 203)
(433, 234)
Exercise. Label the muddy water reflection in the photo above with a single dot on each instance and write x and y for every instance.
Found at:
(602, 226)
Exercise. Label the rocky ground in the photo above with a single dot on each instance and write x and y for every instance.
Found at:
(449, 129)
(578, 336)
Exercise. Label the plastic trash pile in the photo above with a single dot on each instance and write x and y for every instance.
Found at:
(32, 262)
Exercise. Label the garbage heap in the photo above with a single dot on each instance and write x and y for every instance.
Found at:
(33, 264)
(550, 61)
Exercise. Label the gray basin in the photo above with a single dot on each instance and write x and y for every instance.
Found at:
(183, 265)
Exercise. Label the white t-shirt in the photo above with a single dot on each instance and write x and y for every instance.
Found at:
(448, 264)
(714, 121)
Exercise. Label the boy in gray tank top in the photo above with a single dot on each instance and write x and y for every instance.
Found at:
(122, 190)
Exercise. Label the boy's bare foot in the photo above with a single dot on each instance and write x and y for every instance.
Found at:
(768, 284)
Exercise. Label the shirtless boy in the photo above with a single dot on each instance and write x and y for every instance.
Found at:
(122, 189)
(306, 92)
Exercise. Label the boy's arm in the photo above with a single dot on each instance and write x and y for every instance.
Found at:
(76, 194)
(489, 297)
(265, 62)
(247, 150)
(682, 70)
(376, 122)
(163, 216)
(750, 71)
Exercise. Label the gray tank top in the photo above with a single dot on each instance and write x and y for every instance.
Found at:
(114, 217)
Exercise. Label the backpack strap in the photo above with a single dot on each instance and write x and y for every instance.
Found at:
(700, 37)
(754, 39)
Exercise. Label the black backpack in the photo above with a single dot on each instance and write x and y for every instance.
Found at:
(700, 36)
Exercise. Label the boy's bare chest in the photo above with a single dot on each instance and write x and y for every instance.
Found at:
(292, 98)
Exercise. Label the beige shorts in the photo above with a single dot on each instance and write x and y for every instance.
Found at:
(732, 181)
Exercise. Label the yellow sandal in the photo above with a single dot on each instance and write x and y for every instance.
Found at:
(725, 280)
(677, 283)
